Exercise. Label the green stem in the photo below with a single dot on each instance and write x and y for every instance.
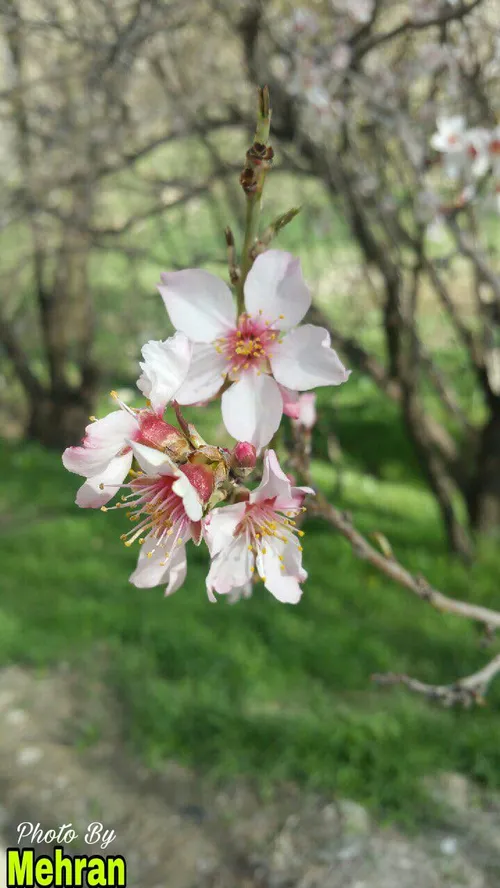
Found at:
(254, 200)
(251, 229)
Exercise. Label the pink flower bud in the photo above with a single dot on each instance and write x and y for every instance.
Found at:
(244, 455)
(163, 436)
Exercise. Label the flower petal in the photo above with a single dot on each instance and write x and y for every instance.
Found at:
(103, 440)
(275, 287)
(252, 409)
(291, 403)
(230, 569)
(164, 369)
(274, 481)
(199, 303)
(90, 495)
(191, 501)
(152, 461)
(154, 569)
(219, 526)
(305, 360)
(205, 375)
(283, 586)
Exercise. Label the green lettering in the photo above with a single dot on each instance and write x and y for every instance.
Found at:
(20, 867)
(117, 878)
(44, 871)
(96, 871)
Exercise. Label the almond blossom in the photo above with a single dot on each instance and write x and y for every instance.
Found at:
(166, 509)
(105, 455)
(257, 352)
(258, 535)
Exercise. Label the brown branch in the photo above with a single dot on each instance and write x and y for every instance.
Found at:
(389, 566)
(452, 13)
(468, 691)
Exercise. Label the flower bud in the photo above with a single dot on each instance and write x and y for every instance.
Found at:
(163, 436)
(243, 458)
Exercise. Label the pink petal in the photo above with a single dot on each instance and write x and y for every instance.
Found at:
(205, 376)
(199, 303)
(164, 369)
(252, 409)
(304, 360)
(274, 481)
(275, 287)
(291, 406)
(90, 495)
(103, 440)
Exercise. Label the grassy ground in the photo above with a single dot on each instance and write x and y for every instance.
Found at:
(259, 688)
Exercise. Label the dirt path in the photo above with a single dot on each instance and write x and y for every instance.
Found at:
(176, 831)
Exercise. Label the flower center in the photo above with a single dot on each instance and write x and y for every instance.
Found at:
(248, 346)
(155, 510)
(267, 527)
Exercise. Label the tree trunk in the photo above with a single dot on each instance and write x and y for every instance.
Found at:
(58, 419)
(483, 500)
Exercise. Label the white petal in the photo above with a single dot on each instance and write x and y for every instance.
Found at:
(177, 570)
(103, 440)
(283, 586)
(231, 568)
(152, 461)
(252, 409)
(304, 360)
(164, 369)
(274, 481)
(90, 495)
(157, 568)
(199, 303)
(191, 501)
(205, 375)
(219, 526)
(150, 571)
(275, 287)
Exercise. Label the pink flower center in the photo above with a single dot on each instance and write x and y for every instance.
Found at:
(495, 146)
(249, 345)
(155, 510)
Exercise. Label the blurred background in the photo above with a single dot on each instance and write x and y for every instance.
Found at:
(199, 732)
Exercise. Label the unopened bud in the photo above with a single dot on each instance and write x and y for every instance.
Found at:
(163, 436)
(243, 458)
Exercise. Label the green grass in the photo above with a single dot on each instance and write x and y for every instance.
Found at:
(261, 689)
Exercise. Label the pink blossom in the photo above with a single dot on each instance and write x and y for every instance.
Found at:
(307, 415)
(105, 454)
(166, 512)
(257, 352)
(258, 536)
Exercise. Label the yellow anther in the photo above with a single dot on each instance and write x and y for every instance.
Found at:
(113, 394)
(250, 548)
(252, 570)
(281, 317)
(300, 548)
(104, 508)
(93, 418)
(149, 555)
(141, 541)
(101, 486)
(301, 533)
(264, 551)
